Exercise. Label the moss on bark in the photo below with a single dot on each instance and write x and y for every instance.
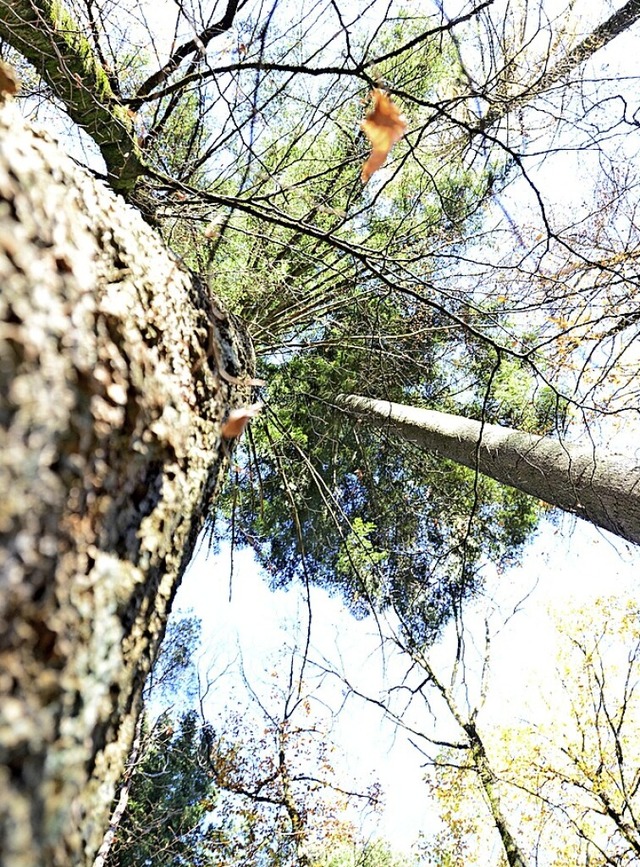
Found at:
(46, 34)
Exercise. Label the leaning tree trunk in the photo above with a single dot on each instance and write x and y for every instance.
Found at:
(491, 788)
(548, 76)
(116, 371)
(600, 487)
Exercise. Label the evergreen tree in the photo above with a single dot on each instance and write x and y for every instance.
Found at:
(171, 794)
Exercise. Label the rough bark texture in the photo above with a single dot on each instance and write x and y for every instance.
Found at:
(600, 487)
(110, 455)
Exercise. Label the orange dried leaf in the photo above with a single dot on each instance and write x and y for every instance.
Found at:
(212, 231)
(9, 81)
(383, 126)
(238, 420)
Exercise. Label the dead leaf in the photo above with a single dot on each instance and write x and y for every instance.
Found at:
(212, 230)
(9, 81)
(238, 419)
(383, 126)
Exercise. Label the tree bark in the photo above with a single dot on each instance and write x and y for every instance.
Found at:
(600, 487)
(604, 33)
(111, 402)
(478, 761)
(490, 785)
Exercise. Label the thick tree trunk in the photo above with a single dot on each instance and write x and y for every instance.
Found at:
(111, 401)
(599, 487)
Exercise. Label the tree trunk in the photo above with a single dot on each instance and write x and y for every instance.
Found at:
(111, 402)
(49, 37)
(478, 760)
(601, 488)
(490, 786)
(603, 34)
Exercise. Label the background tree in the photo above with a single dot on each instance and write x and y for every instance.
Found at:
(599, 487)
(170, 797)
(256, 783)
(374, 853)
(570, 776)
(438, 706)
(173, 676)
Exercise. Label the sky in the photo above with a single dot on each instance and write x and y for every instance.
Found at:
(568, 562)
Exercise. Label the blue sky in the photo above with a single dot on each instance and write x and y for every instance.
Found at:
(570, 561)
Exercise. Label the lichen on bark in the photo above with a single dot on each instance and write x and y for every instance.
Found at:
(110, 455)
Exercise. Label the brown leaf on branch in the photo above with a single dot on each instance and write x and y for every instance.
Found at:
(238, 420)
(383, 126)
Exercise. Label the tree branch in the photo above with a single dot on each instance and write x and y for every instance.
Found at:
(197, 44)
(597, 39)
